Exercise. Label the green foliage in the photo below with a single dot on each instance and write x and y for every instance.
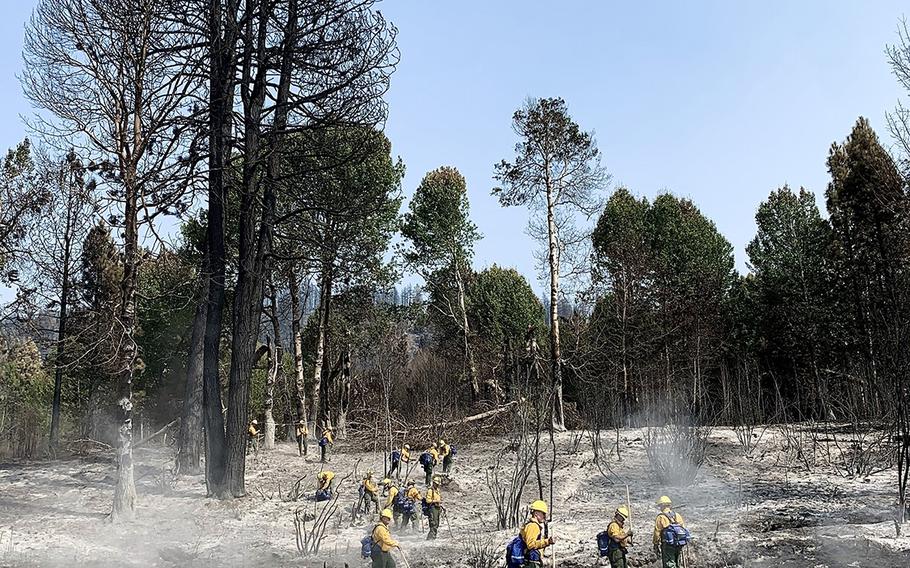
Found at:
(662, 275)
(789, 295)
(437, 225)
(166, 304)
(502, 306)
(26, 389)
(339, 209)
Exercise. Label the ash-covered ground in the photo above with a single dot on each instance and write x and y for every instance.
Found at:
(766, 509)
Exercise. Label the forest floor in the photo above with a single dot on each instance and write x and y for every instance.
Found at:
(766, 509)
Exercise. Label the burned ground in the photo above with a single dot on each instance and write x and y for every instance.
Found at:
(763, 510)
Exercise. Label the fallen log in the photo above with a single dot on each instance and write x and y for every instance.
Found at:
(156, 434)
(473, 418)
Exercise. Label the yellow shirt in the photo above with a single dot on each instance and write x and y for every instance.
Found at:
(532, 535)
(393, 492)
(434, 497)
(435, 455)
(413, 494)
(328, 436)
(444, 451)
(253, 431)
(616, 533)
(383, 537)
(369, 486)
(405, 455)
(301, 430)
(325, 479)
(662, 522)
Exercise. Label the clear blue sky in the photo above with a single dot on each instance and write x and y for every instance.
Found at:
(718, 101)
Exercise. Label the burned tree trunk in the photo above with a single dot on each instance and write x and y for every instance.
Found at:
(297, 345)
(190, 445)
(125, 489)
(274, 372)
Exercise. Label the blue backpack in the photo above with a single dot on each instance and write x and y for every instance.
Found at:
(675, 534)
(323, 495)
(366, 545)
(426, 459)
(515, 553)
(396, 456)
(425, 507)
(604, 544)
(453, 451)
(323, 442)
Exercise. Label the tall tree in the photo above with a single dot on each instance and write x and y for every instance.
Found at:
(870, 216)
(790, 262)
(556, 171)
(105, 73)
(22, 196)
(622, 267)
(441, 240)
(49, 260)
(337, 221)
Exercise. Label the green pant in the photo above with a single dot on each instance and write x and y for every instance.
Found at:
(381, 559)
(617, 558)
(428, 469)
(434, 522)
(409, 518)
(446, 464)
(669, 555)
(324, 453)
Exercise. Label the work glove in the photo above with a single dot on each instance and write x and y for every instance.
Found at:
(630, 533)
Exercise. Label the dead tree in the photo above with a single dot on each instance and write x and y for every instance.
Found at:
(105, 73)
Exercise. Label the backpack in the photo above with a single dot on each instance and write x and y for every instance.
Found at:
(396, 456)
(425, 507)
(367, 546)
(675, 534)
(426, 459)
(604, 543)
(323, 495)
(407, 507)
(515, 553)
(453, 451)
(323, 442)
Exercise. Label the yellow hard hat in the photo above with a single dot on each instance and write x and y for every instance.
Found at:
(623, 512)
(442, 442)
(407, 447)
(387, 481)
(540, 506)
(434, 445)
(664, 500)
(386, 514)
(254, 422)
(436, 480)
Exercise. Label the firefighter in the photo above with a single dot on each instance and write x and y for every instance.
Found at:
(301, 433)
(412, 499)
(391, 495)
(534, 535)
(433, 500)
(446, 455)
(620, 539)
(432, 461)
(370, 492)
(398, 457)
(383, 543)
(324, 480)
(253, 432)
(668, 553)
(327, 439)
